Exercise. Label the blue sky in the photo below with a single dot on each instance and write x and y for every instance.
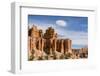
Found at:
(73, 27)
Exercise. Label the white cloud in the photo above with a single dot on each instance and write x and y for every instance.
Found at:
(78, 38)
(61, 23)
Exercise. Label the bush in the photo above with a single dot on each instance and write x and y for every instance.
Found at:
(31, 58)
(68, 55)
